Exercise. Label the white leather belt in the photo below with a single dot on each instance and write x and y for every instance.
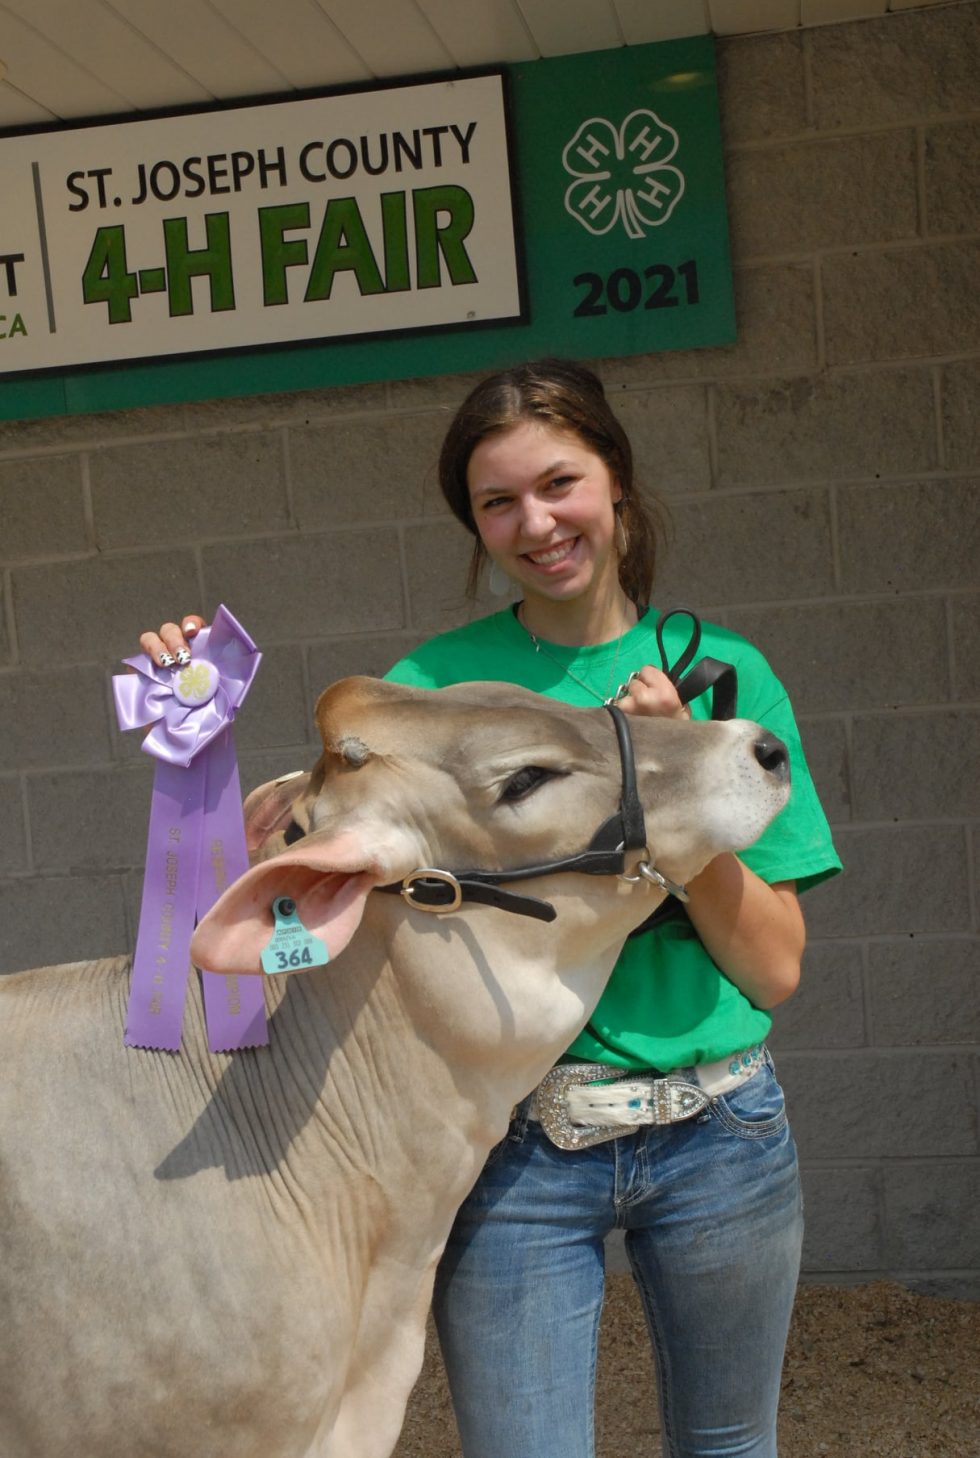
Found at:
(580, 1104)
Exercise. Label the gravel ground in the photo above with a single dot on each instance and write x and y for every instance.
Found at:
(871, 1372)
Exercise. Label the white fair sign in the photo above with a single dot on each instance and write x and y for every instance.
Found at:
(323, 218)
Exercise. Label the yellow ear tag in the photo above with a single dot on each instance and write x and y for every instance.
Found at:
(292, 948)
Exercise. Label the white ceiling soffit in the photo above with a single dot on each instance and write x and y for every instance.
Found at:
(61, 59)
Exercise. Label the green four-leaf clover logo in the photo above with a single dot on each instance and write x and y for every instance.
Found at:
(623, 174)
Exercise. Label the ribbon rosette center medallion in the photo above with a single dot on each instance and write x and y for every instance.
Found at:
(196, 841)
(196, 684)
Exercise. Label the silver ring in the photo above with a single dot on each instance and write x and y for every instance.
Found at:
(639, 875)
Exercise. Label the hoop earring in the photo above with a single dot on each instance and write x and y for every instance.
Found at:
(499, 583)
(621, 539)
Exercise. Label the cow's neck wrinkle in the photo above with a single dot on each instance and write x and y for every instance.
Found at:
(344, 1082)
(366, 1065)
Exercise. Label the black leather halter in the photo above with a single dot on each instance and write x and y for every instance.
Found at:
(432, 889)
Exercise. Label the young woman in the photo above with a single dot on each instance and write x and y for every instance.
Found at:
(539, 471)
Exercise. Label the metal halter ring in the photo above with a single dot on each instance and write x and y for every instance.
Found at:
(646, 872)
(430, 873)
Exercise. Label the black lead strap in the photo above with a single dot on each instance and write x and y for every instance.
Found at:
(707, 673)
(712, 673)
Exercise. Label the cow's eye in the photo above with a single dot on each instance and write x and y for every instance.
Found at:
(526, 781)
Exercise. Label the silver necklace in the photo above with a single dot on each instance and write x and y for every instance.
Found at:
(607, 697)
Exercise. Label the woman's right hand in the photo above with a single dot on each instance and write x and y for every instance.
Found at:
(170, 646)
(650, 693)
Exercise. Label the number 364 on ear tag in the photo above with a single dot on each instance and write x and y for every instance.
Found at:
(292, 947)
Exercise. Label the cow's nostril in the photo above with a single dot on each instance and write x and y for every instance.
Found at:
(773, 755)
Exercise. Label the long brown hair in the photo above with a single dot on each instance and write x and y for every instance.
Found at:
(565, 396)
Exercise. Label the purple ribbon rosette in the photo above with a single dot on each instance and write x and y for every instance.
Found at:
(196, 841)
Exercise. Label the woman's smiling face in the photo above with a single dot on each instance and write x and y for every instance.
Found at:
(543, 505)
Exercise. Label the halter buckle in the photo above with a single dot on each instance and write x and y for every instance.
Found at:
(430, 873)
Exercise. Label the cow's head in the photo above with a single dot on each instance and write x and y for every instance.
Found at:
(481, 776)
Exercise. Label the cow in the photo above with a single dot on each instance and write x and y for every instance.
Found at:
(232, 1255)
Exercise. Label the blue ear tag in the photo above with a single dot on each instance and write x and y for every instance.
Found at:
(292, 947)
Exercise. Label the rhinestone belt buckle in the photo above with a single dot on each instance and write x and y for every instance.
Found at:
(553, 1113)
(671, 1100)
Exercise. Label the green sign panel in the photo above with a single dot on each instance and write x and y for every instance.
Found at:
(622, 201)
(608, 237)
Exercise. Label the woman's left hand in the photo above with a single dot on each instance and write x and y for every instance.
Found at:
(651, 693)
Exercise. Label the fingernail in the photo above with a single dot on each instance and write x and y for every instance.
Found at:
(183, 656)
(189, 627)
(167, 660)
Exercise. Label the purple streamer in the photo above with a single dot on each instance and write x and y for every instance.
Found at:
(196, 841)
(160, 962)
(234, 1006)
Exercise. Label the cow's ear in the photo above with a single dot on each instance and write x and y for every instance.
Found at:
(329, 876)
(269, 809)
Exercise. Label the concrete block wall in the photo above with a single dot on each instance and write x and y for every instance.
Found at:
(823, 475)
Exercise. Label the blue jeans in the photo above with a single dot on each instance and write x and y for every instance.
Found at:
(713, 1220)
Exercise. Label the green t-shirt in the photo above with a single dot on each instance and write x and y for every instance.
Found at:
(667, 1004)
